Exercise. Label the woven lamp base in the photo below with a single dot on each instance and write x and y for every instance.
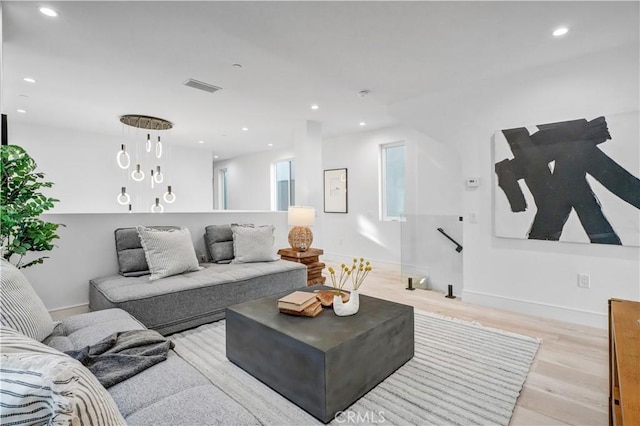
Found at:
(300, 238)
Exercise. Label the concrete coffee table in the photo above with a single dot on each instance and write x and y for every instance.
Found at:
(322, 364)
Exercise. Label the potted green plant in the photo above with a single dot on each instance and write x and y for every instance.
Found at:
(21, 205)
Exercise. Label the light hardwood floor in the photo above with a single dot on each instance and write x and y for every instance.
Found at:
(568, 381)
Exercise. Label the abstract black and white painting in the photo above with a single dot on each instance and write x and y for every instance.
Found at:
(574, 181)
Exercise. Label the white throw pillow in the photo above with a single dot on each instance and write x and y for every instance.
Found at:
(168, 252)
(253, 244)
(40, 385)
(20, 306)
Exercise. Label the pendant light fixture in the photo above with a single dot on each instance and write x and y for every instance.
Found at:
(169, 196)
(137, 174)
(158, 148)
(155, 176)
(123, 158)
(157, 207)
(123, 197)
(159, 177)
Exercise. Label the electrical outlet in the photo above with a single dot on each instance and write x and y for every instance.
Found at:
(473, 217)
(584, 281)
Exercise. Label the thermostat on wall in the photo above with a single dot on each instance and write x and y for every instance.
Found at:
(473, 182)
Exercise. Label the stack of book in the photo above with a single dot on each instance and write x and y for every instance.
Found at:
(300, 303)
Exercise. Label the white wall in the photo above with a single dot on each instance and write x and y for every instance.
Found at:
(433, 188)
(87, 179)
(249, 179)
(86, 248)
(535, 277)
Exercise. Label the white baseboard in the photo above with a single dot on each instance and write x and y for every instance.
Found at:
(61, 313)
(545, 310)
(334, 257)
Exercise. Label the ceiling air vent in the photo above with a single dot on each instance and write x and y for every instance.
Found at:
(202, 86)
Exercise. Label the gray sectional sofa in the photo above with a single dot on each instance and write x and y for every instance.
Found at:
(171, 392)
(190, 299)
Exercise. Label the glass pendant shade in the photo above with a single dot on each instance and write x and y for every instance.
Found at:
(169, 196)
(123, 158)
(123, 197)
(159, 177)
(158, 148)
(152, 179)
(137, 174)
(130, 208)
(157, 207)
(148, 144)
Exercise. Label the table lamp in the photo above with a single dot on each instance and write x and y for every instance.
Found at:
(301, 218)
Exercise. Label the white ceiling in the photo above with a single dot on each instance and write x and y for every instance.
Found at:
(100, 60)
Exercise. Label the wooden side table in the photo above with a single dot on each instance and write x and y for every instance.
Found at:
(310, 258)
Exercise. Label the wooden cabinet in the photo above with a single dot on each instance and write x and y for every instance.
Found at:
(311, 258)
(624, 362)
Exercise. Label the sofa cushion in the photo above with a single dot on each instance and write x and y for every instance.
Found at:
(43, 386)
(20, 306)
(175, 371)
(253, 244)
(194, 407)
(219, 242)
(168, 252)
(131, 259)
(83, 330)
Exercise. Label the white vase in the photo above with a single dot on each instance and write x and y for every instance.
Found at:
(351, 307)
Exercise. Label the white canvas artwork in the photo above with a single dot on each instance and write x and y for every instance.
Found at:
(572, 181)
(335, 191)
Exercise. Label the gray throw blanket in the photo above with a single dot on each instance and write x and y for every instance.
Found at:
(123, 355)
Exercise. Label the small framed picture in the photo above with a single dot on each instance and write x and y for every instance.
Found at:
(335, 191)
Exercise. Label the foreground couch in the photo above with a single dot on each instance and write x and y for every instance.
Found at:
(189, 299)
(62, 391)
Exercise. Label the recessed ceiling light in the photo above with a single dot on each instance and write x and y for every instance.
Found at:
(314, 107)
(49, 12)
(29, 80)
(244, 129)
(215, 156)
(560, 31)
(21, 111)
(362, 123)
(269, 144)
(200, 141)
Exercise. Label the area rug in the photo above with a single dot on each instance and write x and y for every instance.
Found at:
(461, 374)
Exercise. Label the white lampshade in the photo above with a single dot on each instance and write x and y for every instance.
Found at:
(301, 216)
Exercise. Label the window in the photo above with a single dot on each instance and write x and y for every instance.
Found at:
(222, 189)
(392, 188)
(285, 185)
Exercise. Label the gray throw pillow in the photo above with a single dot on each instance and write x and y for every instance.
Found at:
(131, 258)
(253, 244)
(219, 241)
(168, 252)
(20, 307)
